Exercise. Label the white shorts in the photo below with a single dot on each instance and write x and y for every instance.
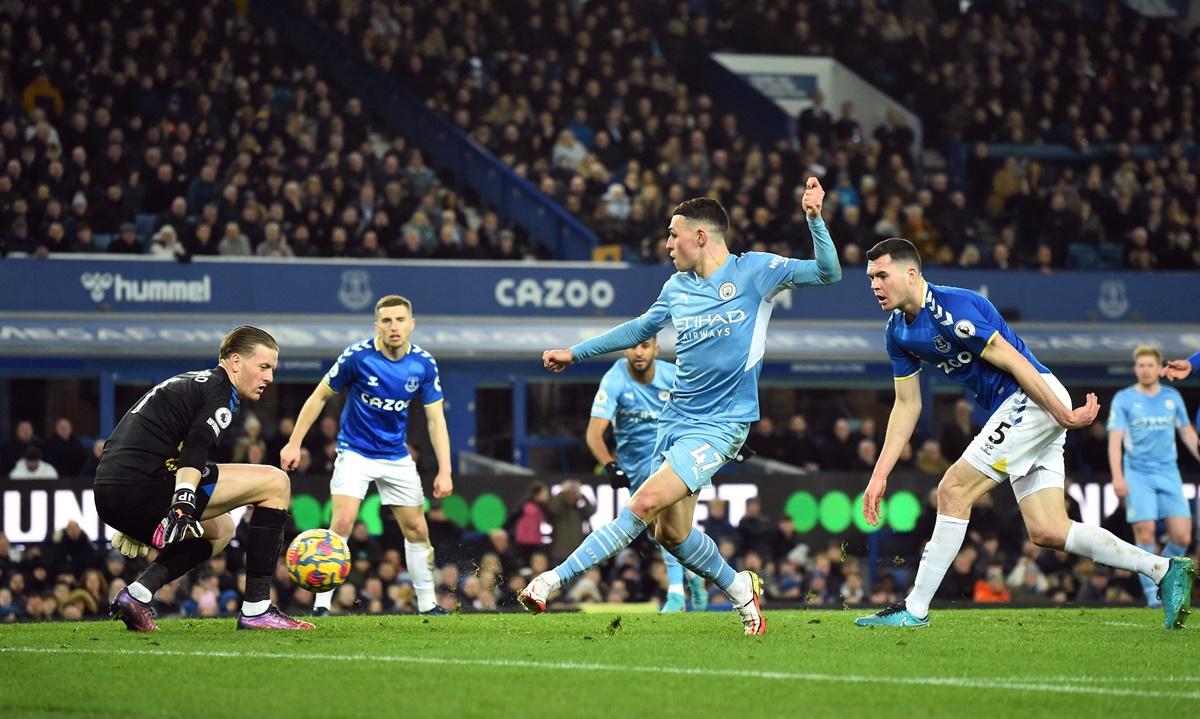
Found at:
(1022, 443)
(399, 484)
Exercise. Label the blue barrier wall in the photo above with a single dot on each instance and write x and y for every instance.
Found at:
(547, 290)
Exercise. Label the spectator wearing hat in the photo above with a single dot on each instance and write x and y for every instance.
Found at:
(166, 244)
(32, 466)
(126, 241)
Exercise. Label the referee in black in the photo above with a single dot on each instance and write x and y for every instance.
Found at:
(155, 485)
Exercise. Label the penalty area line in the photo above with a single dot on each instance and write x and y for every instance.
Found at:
(1033, 685)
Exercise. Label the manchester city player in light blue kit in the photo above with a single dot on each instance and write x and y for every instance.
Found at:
(962, 334)
(631, 395)
(383, 375)
(1142, 426)
(719, 304)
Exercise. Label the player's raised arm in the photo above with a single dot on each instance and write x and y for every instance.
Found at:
(906, 410)
(827, 269)
(289, 456)
(1178, 369)
(1000, 353)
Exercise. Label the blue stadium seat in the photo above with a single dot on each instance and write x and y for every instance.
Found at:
(145, 226)
(1112, 256)
(102, 241)
(1082, 256)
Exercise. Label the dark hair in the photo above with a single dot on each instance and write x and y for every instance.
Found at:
(899, 248)
(244, 339)
(704, 209)
(393, 301)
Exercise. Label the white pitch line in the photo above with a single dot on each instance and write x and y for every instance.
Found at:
(1035, 685)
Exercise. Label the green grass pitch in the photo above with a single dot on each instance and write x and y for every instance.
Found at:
(978, 663)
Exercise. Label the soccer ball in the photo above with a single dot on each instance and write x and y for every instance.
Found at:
(318, 560)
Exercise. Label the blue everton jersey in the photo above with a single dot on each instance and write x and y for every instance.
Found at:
(952, 331)
(632, 408)
(379, 391)
(1149, 424)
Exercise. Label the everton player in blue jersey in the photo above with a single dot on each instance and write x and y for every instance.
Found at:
(631, 395)
(383, 375)
(719, 304)
(1141, 426)
(962, 335)
(1181, 368)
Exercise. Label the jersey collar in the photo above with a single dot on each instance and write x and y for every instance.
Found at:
(379, 348)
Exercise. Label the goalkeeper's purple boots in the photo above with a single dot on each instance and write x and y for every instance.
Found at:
(138, 616)
(271, 619)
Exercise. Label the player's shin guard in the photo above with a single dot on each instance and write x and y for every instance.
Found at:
(699, 553)
(419, 557)
(1103, 546)
(600, 545)
(262, 551)
(176, 560)
(1149, 588)
(943, 546)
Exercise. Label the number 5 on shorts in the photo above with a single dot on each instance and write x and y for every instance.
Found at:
(698, 455)
(997, 437)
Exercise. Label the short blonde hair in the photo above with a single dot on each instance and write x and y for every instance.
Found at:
(393, 301)
(1147, 351)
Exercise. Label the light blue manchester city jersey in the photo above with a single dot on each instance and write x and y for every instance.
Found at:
(952, 331)
(633, 409)
(720, 326)
(379, 391)
(1149, 424)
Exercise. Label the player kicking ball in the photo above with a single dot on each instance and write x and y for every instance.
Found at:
(156, 462)
(962, 334)
(719, 305)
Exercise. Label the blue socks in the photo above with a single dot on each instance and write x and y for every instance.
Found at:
(1172, 549)
(600, 545)
(699, 554)
(1149, 588)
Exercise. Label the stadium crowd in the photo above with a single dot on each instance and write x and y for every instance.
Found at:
(185, 130)
(599, 104)
(72, 576)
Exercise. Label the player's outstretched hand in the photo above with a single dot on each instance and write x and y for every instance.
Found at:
(871, 499)
(289, 457)
(443, 486)
(1176, 370)
(814, 196)
(557, 360)
(1081, 417)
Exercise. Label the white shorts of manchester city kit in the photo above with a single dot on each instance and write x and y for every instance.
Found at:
(1022, 443)
(399, 484)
